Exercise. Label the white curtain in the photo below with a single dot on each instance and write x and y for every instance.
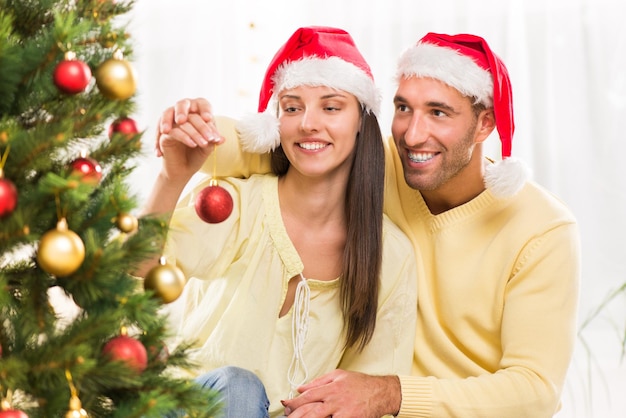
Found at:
(567, 61)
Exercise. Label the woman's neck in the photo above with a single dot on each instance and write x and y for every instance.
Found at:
(313, 201)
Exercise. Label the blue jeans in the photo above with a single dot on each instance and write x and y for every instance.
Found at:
(243, 393)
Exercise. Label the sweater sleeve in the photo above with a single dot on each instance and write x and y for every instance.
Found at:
(391, 349)
(537, 340)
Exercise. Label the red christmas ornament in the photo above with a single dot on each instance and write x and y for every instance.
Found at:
(127, 349)
(213, 204)
(8, 196)
(71, 76)
(87, 169)
(13, 413)
(123, 125)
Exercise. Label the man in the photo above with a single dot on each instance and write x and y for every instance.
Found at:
(499, 256)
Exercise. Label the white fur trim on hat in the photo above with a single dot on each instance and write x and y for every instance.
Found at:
(260, 132)
(449, 66)
(331, 72)
(507, 177)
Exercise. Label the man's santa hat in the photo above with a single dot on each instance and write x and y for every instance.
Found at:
(313, 56)
(466, 63)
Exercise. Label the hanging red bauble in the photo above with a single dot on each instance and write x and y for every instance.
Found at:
(127, 349)
(125, 126)
(71, 75)
(87, 169)
(213, 204)
(8, 196)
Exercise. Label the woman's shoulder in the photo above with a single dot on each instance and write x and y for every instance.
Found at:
(397, 247)
(392, 233)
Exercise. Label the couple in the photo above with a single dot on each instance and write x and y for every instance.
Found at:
(494, 257)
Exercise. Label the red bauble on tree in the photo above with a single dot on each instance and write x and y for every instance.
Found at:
(125, 126)
(71, 75)
(8, 196)
(13, 413)
(7, 411)
(213, 204)
(127, 349)
(87, 169)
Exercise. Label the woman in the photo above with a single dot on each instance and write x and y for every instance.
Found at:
(305, 275)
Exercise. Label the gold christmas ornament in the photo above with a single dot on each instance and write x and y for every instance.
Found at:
(61, 251)
(116, 78)
(76, 409)
(167, 281)
(126, 222)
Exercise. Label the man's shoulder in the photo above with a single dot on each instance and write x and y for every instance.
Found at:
(540, 206)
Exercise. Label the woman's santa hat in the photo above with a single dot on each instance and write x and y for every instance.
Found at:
(466, 63)
(313, 56)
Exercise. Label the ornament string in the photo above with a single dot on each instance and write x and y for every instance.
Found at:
(214, 176)
(70, 382)
(5, 155)
(57, 201)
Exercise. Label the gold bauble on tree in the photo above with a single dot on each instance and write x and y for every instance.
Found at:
(76, 409)
(61, 251)
(166, 280)
(126, 222)
(116, 78)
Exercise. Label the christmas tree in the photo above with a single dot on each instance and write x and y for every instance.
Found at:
(67, 225)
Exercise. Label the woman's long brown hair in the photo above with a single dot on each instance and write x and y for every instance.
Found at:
(362, 260)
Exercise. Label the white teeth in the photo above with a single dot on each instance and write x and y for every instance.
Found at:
(312, 145)
(420, 157)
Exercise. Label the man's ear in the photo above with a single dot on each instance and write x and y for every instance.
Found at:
(486, 124)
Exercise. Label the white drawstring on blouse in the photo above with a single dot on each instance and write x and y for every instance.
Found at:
(299, 329)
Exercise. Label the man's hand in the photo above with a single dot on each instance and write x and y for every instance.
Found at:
(190, 122)
(343, 394)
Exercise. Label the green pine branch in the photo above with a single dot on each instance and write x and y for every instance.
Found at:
(42, 131)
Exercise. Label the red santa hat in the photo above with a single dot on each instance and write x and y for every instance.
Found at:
(466, 63)
(313, 56)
